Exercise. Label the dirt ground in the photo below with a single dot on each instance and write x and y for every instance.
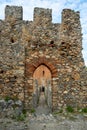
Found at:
(44, 119)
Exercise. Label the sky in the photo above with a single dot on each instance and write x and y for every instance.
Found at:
(57, 6)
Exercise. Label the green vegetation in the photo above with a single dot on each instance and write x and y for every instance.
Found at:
(61, 111)
(70, 109)
(55, 112)
(21, 117)
(84, 110)
(7, 98)
(58, 112)
(24, 111)
(32, 110)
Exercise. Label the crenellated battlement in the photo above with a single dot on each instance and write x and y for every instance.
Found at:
(68, 14)
(13, 12)
(41, 14)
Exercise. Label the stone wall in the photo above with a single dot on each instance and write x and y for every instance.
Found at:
(25, 45)
(11, 57)
(11, 108)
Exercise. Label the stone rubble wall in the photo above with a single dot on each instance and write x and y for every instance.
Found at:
(24, 45)
(13, 13)
(11, 109)
(11, 57)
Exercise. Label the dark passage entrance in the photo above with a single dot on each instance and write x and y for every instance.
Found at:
(43, 89)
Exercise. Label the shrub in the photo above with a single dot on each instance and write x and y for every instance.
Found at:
(69, 109)
(84, 110)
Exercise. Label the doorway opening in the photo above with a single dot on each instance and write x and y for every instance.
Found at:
(42, 85)
(43, 89)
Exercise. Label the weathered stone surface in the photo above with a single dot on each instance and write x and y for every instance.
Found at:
(47, 122)
(10, 108)
(25, 45)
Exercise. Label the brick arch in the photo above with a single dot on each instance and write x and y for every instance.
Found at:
(35, 63)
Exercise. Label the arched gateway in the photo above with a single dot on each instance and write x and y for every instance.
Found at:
(42, 84)
(40, 75)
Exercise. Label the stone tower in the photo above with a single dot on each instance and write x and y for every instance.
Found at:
(40, 56)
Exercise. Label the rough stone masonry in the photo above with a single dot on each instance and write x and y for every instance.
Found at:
(39, 55)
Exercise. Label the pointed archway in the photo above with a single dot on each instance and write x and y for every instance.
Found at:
(42, 75)
(42, 84)
(33, 80)
(36, 62)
